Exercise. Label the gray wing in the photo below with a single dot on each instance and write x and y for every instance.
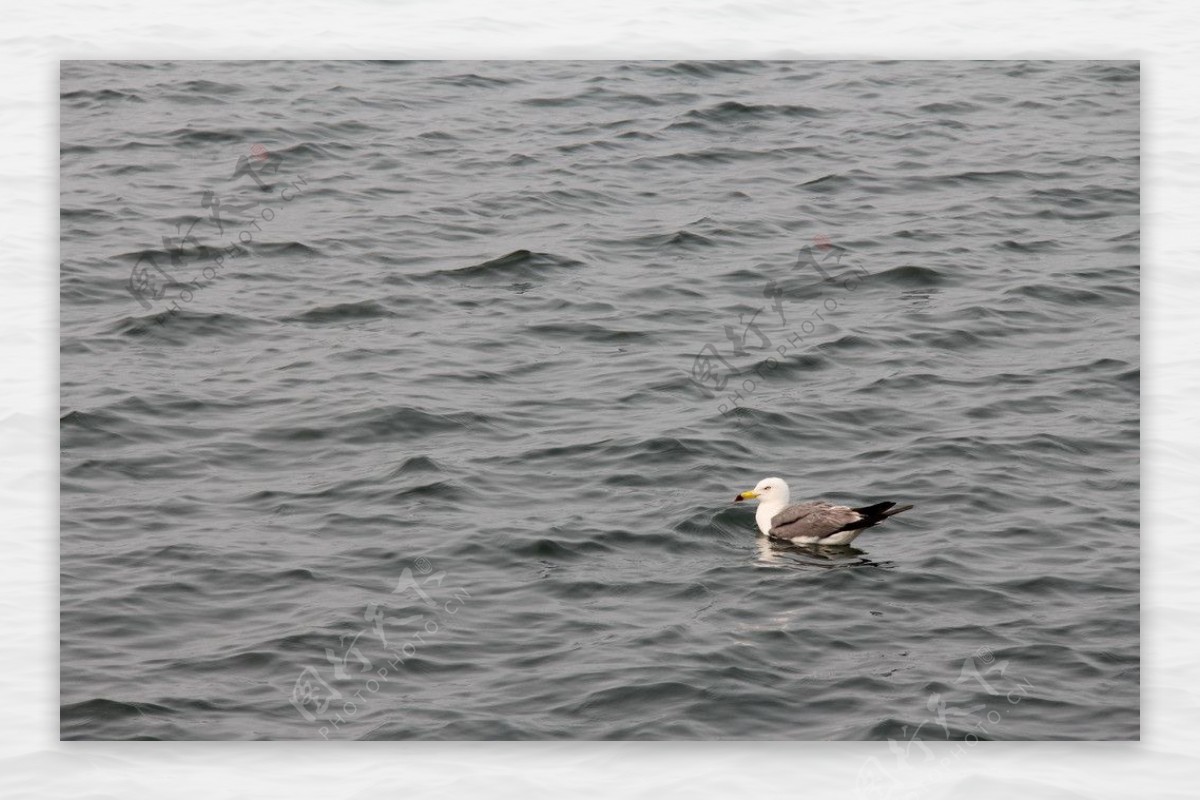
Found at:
(815, 519)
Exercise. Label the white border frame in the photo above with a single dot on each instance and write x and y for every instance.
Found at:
(34, 763)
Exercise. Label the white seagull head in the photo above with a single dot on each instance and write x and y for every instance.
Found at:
(768, 492)
(772, 495)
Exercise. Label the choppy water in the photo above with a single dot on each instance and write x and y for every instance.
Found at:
(437, 452)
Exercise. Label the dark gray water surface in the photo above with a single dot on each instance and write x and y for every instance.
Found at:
(445, 447)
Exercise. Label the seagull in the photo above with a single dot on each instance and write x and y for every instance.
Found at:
(813, 522)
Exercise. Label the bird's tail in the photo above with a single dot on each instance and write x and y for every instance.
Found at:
(878, 511)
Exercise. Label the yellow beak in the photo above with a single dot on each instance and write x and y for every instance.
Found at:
(746, 496)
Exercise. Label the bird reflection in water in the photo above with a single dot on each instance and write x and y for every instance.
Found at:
(776, 553)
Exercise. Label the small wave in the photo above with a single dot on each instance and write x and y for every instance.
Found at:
(828, 184)
(695, 69)
(476, 81)
(183, 325)
(1060, 295)
(732, 110)
(417, 464)
(342, 312)
(101, 710)
(407, 421)
(202, 86)
(1117, 73)
(296, 250)
(311, 151)
(956, 107)
(85, 96)
(525, 264)
(589, 332)
(910, 275)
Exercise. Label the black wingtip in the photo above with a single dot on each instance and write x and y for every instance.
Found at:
(876, 509)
